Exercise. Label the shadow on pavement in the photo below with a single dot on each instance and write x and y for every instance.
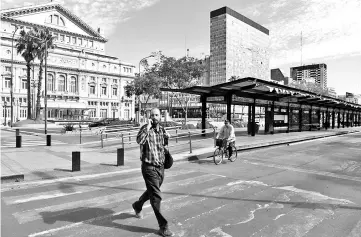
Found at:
(108, 164)
(85, 214)
(66, 170)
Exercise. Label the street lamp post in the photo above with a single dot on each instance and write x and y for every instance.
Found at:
(5, 104)
(46, 85)
(11, 78)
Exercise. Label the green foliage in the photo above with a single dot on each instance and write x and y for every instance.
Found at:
(69, 127)
(309, 86)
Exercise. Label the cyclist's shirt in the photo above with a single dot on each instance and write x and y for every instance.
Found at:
(227, 133)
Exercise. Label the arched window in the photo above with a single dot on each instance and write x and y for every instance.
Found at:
(61, 83)
(50, 83)
(73, 87)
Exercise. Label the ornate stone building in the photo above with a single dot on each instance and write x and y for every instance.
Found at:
(82, 80)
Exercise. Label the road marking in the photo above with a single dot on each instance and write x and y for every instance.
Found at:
(277, 217)
(296, 169)
(76, 178)
(356, 230)
(79, 189)
(220, 232)
(172, 185)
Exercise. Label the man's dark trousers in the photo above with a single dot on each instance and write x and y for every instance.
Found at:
(153, 177)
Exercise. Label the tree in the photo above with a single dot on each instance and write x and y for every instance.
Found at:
(43, 36)
(179, 74)
(144, 87)
(27, 47)
(309, 86)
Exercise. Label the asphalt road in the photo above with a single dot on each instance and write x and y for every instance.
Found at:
(308, 189)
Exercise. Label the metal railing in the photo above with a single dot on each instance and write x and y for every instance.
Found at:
(181, 137)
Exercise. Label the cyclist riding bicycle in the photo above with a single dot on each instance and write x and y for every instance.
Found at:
(228, 136)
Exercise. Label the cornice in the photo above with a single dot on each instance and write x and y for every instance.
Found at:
(50, 67)
(47, 7)
(26, 23)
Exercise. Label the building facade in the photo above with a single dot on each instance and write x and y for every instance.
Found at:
(315, 72)
(82, 80)
(239, 47)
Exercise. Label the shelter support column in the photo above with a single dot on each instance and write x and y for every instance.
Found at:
(343, 119)
(352, 118)
(319, 118)
(333, 118)
(300, 119)
(310, 118)
(228, 98)
(269, 117)
(253, 129)
(204, 113)
(338, 118)
(348, 118)
(327, 119)
(288, 117)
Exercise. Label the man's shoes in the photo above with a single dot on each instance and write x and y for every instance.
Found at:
(165, 232)
(137, 214)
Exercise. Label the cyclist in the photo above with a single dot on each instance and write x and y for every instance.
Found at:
(228, 136)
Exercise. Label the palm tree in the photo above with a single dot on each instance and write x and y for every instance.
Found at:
(43, 36)
(27, 47)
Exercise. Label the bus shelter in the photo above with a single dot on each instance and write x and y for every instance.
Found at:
(308, 110)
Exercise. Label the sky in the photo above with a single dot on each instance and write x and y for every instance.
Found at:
(330, 29)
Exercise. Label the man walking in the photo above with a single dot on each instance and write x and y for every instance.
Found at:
(152, 138)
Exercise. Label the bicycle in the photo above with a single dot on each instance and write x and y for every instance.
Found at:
(221, 151)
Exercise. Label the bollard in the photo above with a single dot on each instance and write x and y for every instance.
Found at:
(190, 143)
(214, 137)
(129, 136)
(48, 140)
(17, 132)
(75, 164)
(120, 156)
(101, 139)
(18, 141)
(176, 135)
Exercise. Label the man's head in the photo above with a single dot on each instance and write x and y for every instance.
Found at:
(226, 122)
(155, 116)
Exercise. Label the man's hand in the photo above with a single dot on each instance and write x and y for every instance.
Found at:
(149, 125)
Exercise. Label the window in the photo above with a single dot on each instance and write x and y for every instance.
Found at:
(91, 44)
(74, 40)
(104, 90)
(104, 80)
(7, 82)
(50, 79)
(92, 90)
(24, 100)
(23, 113)
(80, 41)
(115, 81)
(67, 39)
(103, 113)
(24, 84)
(61, 83)
(7, 69)
(92, 113)
(24, 72)
(92, 79)
(62, 38)
(73, 88)
(115, 91)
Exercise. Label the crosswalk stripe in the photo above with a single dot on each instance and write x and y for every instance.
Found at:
(31, 215)
(10, 200)
(167, 187)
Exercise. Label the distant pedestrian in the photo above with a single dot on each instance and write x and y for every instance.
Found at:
(152, 138)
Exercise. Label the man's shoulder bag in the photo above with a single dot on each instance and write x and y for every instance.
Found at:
(168, 159)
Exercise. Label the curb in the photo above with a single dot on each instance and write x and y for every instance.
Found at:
(193, 157)
(12, 178)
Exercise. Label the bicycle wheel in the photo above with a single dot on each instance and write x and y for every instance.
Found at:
(234, 154)
(218, 156)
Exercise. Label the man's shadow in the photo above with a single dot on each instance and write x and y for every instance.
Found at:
(89, 215)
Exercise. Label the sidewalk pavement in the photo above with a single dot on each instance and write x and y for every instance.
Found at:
(42, 162)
